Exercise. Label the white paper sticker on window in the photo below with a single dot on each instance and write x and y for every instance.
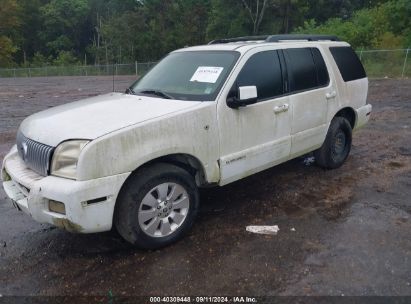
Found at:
(207, 74)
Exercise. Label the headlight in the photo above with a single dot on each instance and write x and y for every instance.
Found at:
(65, 157)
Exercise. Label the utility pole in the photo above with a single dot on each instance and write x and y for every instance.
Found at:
(119, 59)
(98, 27)
(107, 61)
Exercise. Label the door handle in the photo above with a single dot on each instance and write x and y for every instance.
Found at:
(281, 108)
(330, 95)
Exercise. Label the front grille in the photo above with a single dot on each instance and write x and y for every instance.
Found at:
(35, 155)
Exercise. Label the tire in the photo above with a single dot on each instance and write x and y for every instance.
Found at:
(156, 206)
(337, 144)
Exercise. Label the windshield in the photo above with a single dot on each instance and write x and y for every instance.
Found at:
(196, 75)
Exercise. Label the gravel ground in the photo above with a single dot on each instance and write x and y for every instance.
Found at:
(342, 232)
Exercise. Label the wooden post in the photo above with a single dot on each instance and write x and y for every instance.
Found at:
(405, 63)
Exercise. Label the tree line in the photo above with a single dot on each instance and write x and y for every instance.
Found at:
(72, 32)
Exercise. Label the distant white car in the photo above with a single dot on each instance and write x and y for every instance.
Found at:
(205, 115)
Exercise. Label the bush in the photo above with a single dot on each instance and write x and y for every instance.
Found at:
(66, 58)
(369, 28)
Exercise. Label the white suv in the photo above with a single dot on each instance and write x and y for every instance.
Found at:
(204, 115)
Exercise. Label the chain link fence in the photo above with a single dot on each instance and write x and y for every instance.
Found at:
(377, 63)
(136, 68)
(386, 63)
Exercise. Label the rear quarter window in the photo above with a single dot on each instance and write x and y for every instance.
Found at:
(348, 63)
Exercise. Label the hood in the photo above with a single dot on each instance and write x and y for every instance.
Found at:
(94, 117)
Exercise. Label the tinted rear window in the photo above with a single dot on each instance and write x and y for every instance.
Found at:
(348, 63)
(301, 69)
(263, 70)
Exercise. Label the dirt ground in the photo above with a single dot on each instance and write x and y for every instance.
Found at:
(342, 232)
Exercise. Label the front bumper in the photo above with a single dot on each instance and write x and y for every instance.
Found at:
(89, 205)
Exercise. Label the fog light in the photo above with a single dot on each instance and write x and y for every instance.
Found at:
(57, 207)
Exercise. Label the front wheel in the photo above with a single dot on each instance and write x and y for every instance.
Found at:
(157, 206)
(337, 144)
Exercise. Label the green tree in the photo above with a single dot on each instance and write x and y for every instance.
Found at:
(399, 17)
(227, 18)
(66, 58)
(254, 17)
(152, 29)
(64, 26)
(39, 60)
(107, 31)
(367, 28)
(7, 49)
(27, 37)
(9, 22)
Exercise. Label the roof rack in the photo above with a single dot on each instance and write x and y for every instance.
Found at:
(277, 38)
(239, 39)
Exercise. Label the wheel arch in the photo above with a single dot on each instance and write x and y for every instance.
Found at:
(185, 161)
(348, 113)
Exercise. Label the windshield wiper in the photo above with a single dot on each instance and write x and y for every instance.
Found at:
(130, 91)
(157, 93)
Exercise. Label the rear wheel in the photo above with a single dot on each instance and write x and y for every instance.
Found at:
(157, 206)
(337, 144)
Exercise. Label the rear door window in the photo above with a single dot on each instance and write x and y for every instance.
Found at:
(301, 69)
(263, 70)
(322, 73)
(348, 63)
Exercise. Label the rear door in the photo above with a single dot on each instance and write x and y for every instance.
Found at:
(310, 91)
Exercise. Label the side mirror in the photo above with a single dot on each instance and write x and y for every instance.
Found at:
(246, 96)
